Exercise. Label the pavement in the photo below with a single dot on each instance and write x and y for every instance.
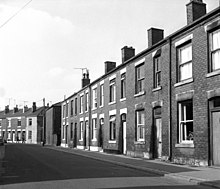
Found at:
(207, 176)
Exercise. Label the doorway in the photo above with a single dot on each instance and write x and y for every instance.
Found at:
(124, 133)
(216, 138)
(157, 139)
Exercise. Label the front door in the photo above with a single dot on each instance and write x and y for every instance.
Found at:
(158, 127)
(216, 137)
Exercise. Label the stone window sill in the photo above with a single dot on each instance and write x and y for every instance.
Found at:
(112, 141)
(139, 142)
(187, 81)
(217, 72)
(157, 89)
(110, 103)
(139, 94)
(184, 145)
(122, 99)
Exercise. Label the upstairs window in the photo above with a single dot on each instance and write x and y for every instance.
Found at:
(112, 90)
(101, 95)
(19, 122)
(123, 85)
(157, 72)
(186, 122)
(75, 106)
(94, 98)
(81, 104)
(185, 62)
(71, 108)
(64, 108)
(29, 121)
(87, 102)
(67, 109)
(215, 50)
(139, 79)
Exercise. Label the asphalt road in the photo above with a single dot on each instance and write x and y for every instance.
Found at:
(33, 166)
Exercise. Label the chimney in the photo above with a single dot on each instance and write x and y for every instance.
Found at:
(15, 109)
(34, 107)
(195, 9)
(154, 36)
(127, 53)
(25, 109)
(85, 79)
(6, 109)
(109, 66)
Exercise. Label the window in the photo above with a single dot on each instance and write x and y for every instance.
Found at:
(94, 128)
(75, 106)
(81, 131)
(94, 98)
(123, 85)
(186, 122)
(71, 131)
(0, 123)
(64, 130)
(29, 121)
(112, 90)
(8, 122)
(64, 107)
(101, 95)
(19, 122)
(215, 50)
(71, 108)
(67, 109)
(29, 134)
(157, 72)
(112, 124)
(87, 102)
(139, 79)
(185, 62)
(81, 104)
(140, 129)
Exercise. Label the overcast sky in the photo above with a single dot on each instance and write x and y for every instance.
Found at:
(43, 43)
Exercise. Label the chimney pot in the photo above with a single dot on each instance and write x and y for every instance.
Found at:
(85, 79)
(34, 107)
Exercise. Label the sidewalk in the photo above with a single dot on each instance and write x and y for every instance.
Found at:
(209, 176)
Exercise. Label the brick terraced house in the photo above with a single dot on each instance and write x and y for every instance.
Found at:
(22, 125)
(162, 103)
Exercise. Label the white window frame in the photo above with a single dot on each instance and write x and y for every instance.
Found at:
(29, 135)
(182, 124)
(81, 131)
(139, 80)
(140, 126)
(188, 73)
(30, 120)
(94, 129)
(112, 90)
(87, 102)
(94, 98)
(214, 50)
(112, 128)
(81, 104)
(101, 95)
(157, 71)
(123, 85)
(19, 121)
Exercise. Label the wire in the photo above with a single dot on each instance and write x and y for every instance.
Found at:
(15, 14)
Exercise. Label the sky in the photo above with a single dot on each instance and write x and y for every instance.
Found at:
(43, 43)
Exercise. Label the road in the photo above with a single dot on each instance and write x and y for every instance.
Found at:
(33, 166)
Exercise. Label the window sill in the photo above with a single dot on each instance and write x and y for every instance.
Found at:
(139, 142)
(122, 99)
(139, 94)
(81, 140)
(110, 103)
(94, 109)
(157, 89)
(217, 72)
(112, 141)
(183, 82)
(184, 145)
(94, 140)
(101, 106)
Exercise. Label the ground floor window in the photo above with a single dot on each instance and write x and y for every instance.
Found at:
(63, 133)
(94, 129)
(140, 125)
(112, 127)
(29, 134)
(185, 122)
(81, 131)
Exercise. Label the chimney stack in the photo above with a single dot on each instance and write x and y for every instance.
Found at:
(16, 109)
(127, 53)
(34, 107)
(6, 109)
(154, 36)
(195, 9)
(25, 109)
(109, 66)
(85, 79)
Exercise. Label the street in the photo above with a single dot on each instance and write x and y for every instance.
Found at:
(33, 166)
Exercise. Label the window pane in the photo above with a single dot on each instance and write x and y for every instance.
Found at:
(186, 71)
(216, 60)
(216, 40)
(186, 54)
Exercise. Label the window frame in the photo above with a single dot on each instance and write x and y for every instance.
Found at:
(71, 108)
(29, 135)
(123, 85)
(94, 129)
(181, 64)
(94, 98)
(81, 104)
(139, 80)
(211, 51)
(101, 95)
(112, 90)
(112, 128)
(81, 131)
(182, 122)
(19, 122)
(86, 102)
(157, 71)
(29, 121)
(140, 127)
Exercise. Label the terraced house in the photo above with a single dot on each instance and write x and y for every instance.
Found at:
(22, 125)
(163, 102)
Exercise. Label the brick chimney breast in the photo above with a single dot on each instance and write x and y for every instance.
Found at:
(109, 66)
(154, 36)
(127, 53)
(195, 9)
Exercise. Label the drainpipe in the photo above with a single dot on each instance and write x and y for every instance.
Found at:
(170, 99)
